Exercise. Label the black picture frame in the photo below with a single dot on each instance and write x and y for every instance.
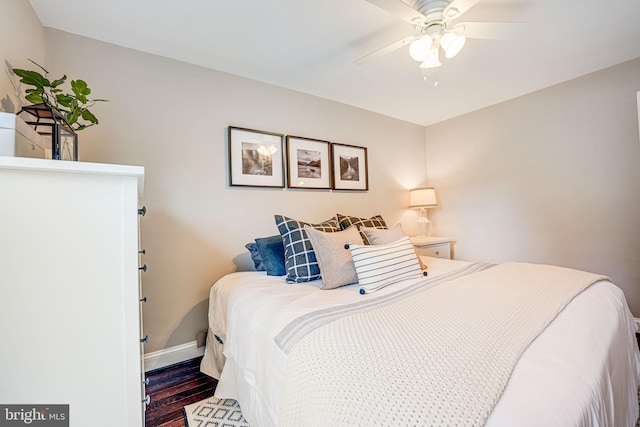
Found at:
(350, 167)
(308, 163)
(256, 158)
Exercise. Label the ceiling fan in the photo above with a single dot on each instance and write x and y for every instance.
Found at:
(436, 29)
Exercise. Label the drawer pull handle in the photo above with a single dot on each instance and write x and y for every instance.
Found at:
(143, 268)
(146, 381)
(142, 211)
(142, 252)
(143, 299)
(145, 339)
(437, 252)
(146, 400)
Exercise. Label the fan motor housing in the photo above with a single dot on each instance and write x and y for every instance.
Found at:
(432, 10)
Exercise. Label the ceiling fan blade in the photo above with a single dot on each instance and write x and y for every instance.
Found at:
(400, 9)
(457, 7)
(491, 30)
(387, 49)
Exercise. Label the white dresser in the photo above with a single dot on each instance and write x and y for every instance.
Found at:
(70, 326)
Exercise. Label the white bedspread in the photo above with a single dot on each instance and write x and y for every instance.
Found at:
(438, 357)
(582, 371)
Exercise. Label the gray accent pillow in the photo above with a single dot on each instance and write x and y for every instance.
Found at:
(378, 236)
(334, 257)
(381, 236)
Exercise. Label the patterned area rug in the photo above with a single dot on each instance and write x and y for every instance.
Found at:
(214, 412)
(638, 422)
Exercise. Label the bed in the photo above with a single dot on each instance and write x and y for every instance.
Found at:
(583, 369)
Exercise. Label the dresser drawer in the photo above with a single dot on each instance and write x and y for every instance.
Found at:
(441, 250)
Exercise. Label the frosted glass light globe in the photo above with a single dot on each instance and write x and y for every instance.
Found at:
(419, 49)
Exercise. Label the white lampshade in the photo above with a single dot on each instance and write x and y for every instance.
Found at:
(432, 60)
(423, 198)
(419, 49)
(452, 44)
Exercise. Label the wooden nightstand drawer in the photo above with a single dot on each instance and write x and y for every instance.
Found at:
(442, 250)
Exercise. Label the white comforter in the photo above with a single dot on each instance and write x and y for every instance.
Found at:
(582, 371)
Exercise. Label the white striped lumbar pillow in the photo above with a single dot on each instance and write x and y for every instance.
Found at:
(378, 266)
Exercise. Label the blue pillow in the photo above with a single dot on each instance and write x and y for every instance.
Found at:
(271, 250)
(258, 264)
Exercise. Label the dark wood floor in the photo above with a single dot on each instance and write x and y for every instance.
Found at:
(173, 387)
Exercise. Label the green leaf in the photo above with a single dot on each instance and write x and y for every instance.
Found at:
(88, 116)
(32, 78)
(34, 98)
(79, 87)
(59, 81)
(37, 91)
(73, 117)
(64, 100)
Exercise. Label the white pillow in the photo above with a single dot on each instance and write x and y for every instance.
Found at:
(378, 266)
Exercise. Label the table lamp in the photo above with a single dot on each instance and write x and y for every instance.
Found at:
(423, 198)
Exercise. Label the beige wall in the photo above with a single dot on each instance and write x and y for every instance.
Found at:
(550, 177)
(22, 38)
(171, 118)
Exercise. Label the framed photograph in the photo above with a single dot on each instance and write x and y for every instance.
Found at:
(308, 163)
(256, 158)
(349, 167)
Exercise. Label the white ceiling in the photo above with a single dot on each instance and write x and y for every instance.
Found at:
(309, 46)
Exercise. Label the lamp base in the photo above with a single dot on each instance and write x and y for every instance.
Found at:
(424, 225)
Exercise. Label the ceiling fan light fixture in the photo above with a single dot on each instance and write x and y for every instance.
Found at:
(452, 44)
(432, 60)
(419, 49)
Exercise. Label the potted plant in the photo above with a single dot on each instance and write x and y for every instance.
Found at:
(73, 106)
(63, 114)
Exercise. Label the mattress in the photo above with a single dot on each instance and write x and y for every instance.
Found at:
(583, 370)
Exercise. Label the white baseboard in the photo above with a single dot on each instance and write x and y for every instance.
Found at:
(169, 356)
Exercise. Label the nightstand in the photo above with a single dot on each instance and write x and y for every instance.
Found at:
(437, 247)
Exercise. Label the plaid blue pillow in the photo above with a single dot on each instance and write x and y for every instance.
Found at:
(300, 259)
